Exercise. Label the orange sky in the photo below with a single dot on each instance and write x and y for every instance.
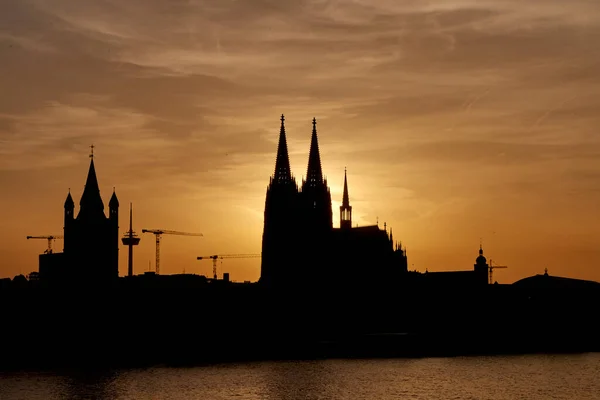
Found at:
(456, 120)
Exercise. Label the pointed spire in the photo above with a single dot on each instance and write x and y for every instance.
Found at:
(345, 198)
(91, 202)
(314, 173)
(345, 208)
(69, 203)
(114, 202)
(282, 163)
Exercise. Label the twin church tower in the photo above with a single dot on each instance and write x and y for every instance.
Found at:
(300, 245)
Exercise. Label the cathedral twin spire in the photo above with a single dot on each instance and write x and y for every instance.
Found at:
(314, 193)
(314, 173)
(283, 174)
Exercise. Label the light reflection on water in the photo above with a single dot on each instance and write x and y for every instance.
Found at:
(507, 377)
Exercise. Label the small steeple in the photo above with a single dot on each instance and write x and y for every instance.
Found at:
(282, 163)
(69, 203)
(345, 197)
(314, 173)
(114, 202)
(345, 208)
(91, 202)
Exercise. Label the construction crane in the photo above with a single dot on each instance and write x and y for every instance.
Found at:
(157, 234)
(50, 238)
(492, 268)
(222, 256)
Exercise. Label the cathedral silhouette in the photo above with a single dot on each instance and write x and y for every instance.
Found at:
(300, 245)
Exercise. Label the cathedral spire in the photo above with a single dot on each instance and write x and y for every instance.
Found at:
(282, 163)
(91, 202)
(314, 174)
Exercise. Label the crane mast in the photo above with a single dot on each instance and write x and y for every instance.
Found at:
(492, 268)
(158, 235)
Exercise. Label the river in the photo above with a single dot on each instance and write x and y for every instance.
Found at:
(501, 377)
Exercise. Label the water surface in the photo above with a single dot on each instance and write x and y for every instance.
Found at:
(506, 377)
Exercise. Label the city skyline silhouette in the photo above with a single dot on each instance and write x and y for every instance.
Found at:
(455, 121)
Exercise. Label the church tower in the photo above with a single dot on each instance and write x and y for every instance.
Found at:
(316, 224)
(315, 195)
(280, 220)
(345, 208)
(91, 239)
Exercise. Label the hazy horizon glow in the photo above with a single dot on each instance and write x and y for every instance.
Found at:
(457, 120)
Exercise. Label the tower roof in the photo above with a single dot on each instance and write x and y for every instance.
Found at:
(91, 202)
(314, 173)
(282, 164)
(345, 198)
(114, 202)
(69, 203)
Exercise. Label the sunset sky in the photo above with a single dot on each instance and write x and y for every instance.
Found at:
(457, 120)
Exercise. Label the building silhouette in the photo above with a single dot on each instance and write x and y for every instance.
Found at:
(91, 239)
(477, 277)
(300, 245)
